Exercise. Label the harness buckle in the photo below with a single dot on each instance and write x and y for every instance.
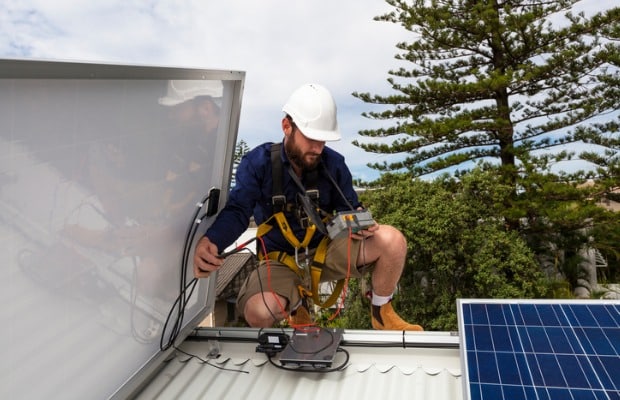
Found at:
(279, 202)
(313, 194)
(304, 221)
(305, 266)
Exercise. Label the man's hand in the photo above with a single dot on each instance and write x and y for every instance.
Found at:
(206, 258)
(365, 233)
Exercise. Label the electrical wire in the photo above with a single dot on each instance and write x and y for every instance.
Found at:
(185, 290)
(191, 356)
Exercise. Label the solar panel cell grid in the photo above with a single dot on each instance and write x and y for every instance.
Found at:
(540, 349)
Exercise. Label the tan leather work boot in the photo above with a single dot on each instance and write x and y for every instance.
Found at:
(300, 317)
(385, 318)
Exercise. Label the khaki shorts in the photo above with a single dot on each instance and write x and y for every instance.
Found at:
(273, 276)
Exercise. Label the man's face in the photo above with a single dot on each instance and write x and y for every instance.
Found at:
(201, 111)
(303, 152)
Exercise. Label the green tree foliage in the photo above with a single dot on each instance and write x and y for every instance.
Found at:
(493, 79)
(241, 149)
(560, 218)
(607, 241)
(457, 244)
(520, 84)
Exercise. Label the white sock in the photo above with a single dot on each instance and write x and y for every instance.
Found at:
(380, 300)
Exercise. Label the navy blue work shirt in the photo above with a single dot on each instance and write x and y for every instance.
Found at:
(252, 194)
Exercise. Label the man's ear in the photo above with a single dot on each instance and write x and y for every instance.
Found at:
(287, 127)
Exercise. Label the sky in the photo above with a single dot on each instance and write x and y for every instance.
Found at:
(279, 44)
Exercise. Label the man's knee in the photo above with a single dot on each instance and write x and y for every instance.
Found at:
(262, 311)
(391, 237)
(387, 243)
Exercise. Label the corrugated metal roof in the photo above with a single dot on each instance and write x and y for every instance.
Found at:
(231, 271)
(424, 369)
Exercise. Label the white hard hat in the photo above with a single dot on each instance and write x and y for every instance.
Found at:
(181, 90)
(313, 110)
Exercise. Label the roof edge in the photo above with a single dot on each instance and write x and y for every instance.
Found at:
(351, 337)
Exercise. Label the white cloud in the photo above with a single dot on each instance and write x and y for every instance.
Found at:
(278, 43)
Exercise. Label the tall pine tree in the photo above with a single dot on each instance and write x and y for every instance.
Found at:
(498, 79)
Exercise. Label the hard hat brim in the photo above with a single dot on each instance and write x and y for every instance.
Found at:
(320, 135)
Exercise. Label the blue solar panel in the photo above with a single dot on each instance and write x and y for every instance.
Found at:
(540, 349)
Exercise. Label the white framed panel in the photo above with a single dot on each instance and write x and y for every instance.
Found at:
(101, 168)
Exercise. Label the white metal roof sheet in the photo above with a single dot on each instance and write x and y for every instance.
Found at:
(372, 372)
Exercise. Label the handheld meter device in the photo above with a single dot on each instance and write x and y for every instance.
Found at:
(357, 220)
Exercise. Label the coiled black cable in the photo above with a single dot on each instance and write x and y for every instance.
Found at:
(185, 289)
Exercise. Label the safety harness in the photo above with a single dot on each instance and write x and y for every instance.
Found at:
(311, 221)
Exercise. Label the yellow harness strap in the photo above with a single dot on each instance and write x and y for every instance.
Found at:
(318, 260)
(286, 231)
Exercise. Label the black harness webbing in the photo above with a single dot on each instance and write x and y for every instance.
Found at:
(278, 199)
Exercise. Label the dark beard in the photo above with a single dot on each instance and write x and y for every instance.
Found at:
(296, 157)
